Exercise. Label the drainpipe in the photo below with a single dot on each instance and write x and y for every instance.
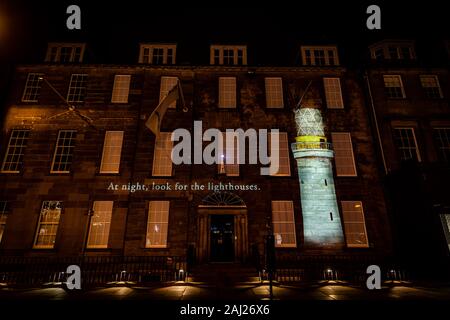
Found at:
(366, 77)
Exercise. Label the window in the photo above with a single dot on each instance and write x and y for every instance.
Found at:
(229, 161)
(48, 225)
(431, 87)
(274, 92)
(320, 56)
(393, 53)
(283, 224)
(227, 92)
(100, 225)
(343, 154)
(167, 84)
(121, 88)
(65, 52)
(157, 54)
(354, 224)
(13, 161)
(228, 55)
(157, 225)
(3, 217)
(406, 53)
(62, 158)
(162, 158)
(112, 150)
(379, 54)
(405, 140)
(32, 87)
(284, 169)
(393, 86)
(77, 88)
(442, 139)
(333, 93)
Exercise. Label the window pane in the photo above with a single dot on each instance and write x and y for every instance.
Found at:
(283, 153)
(393, 86)
(406, 144)
(442, 139)
(274, 92)
(227, 92)
(62, 158)
(157, 224)
(77, 88)
(283, 224)
(100, 224)
(343, 154)
(15, 152)
(162, 158)
(167, 84)
(48, 224)
(354, 224)
(333, 93)
(112, 150)
(32, 87)
(121, 89)
(431, 87)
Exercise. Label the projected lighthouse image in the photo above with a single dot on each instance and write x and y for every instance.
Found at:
(321, 220)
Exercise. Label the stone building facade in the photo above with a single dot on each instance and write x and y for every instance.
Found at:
(59, 173)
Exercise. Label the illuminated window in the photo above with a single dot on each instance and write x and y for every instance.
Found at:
(405, 140)
(112, 150)
(167, 84)
(100, 224)
(32, 87)
(48, 225)
(121, 88)
(354, 224)
(13, 161)
(442, 139)
(157, 224)
(343, 154)
(284, 168)
(431, 87)
(274, 92)
(393, 86)
(333, 93)
(3, 217)
(227, 92)
(319, 56)
(77, 88)
(283, 223)
(62, 158)
(65, 52)
(228, 162)
(162, 159)
(228, 55)
(157, 54)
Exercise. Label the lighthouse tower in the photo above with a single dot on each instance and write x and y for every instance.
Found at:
(321, 221)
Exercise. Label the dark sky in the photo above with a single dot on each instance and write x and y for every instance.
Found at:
(114, 29)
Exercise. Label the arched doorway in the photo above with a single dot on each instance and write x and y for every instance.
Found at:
(222, 228)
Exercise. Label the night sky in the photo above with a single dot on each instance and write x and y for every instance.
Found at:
(113, 30)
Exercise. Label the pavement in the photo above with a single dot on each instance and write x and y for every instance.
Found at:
(254, 291)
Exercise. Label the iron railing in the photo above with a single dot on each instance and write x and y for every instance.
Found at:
(95, 270)
(302, 145)
(349, 268)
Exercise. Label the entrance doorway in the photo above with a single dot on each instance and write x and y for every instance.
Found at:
(222, 238)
